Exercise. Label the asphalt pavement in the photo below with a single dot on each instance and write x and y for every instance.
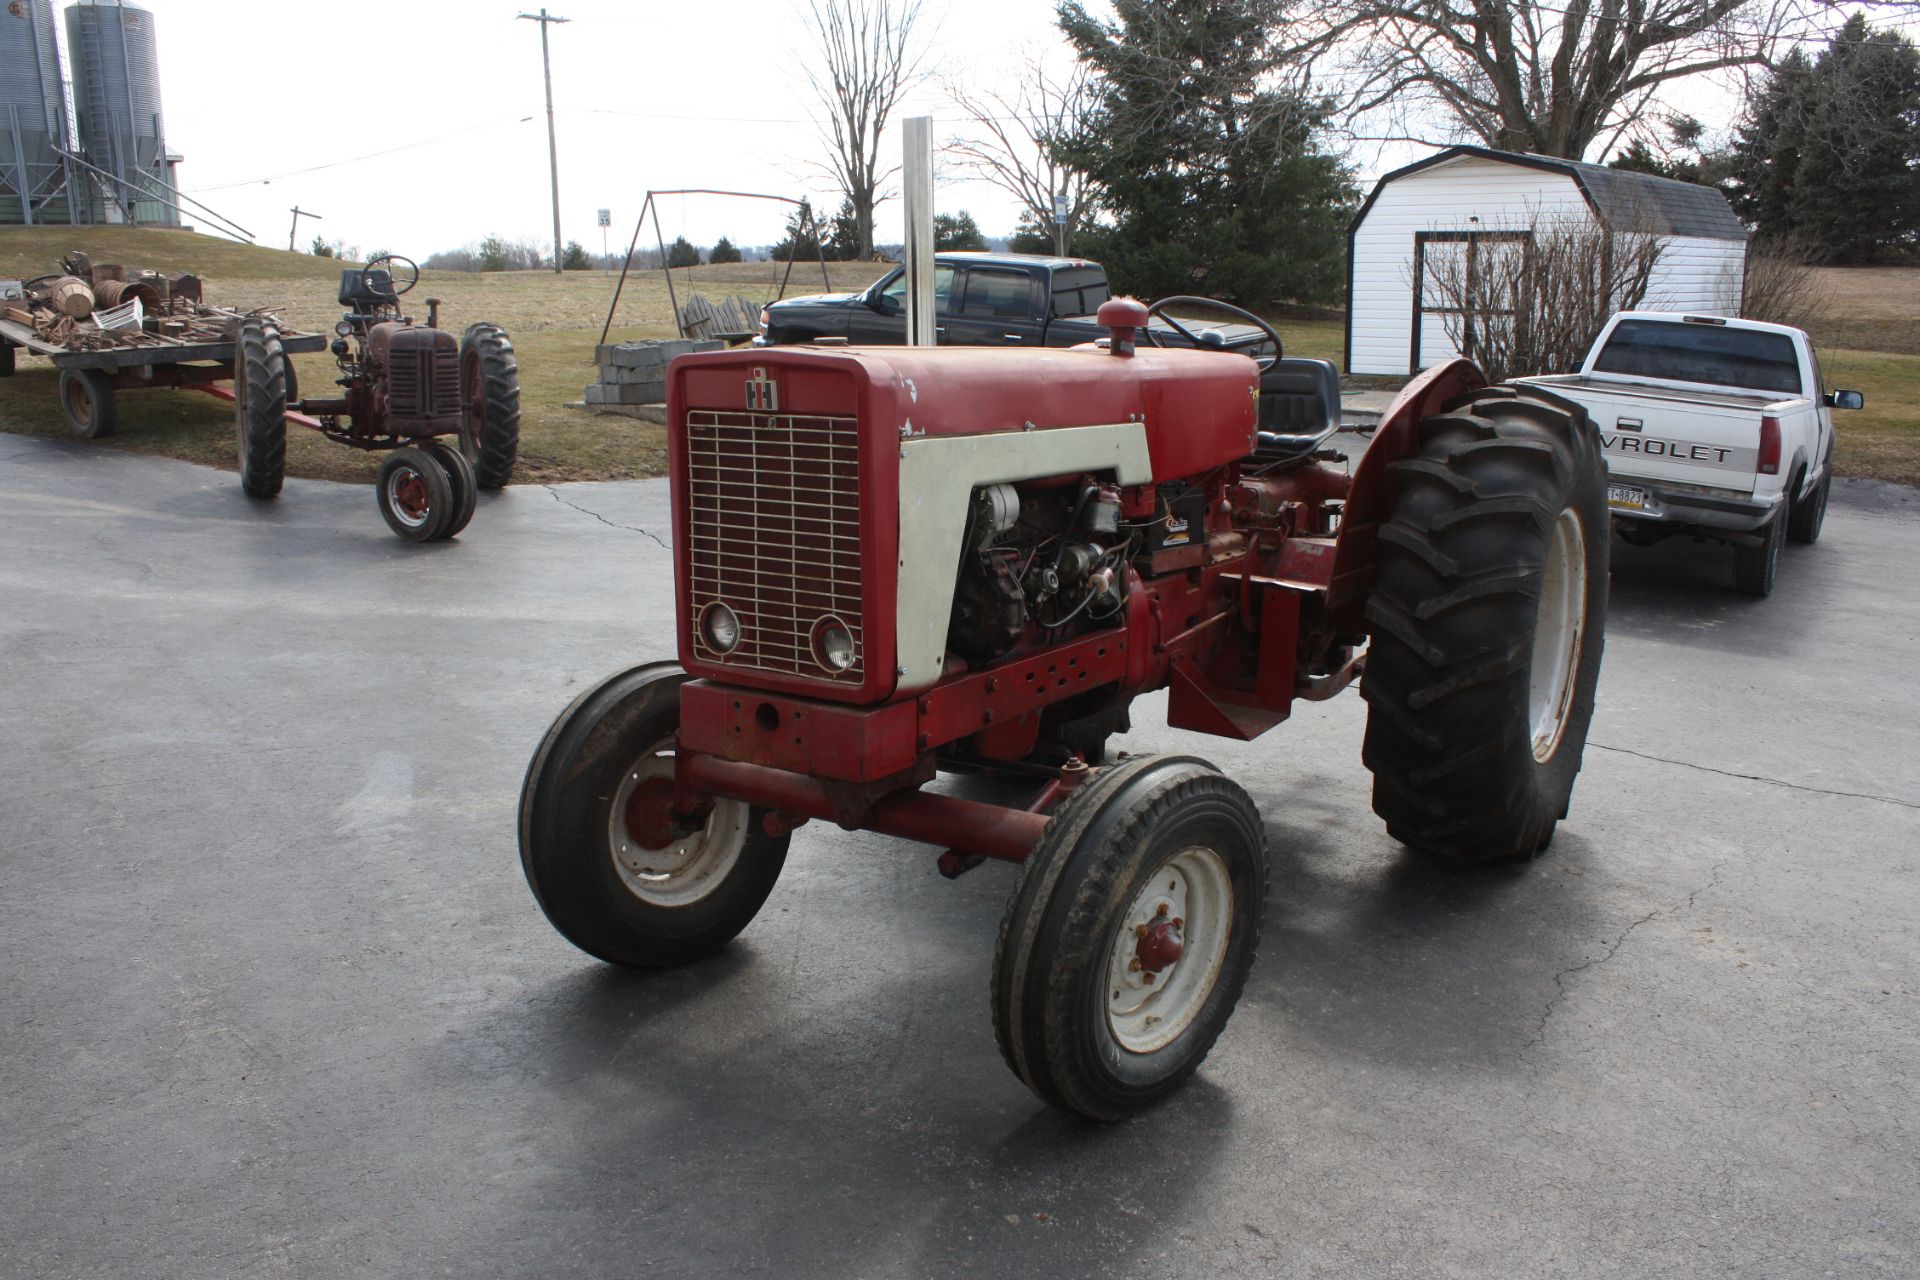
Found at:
(277, 1001)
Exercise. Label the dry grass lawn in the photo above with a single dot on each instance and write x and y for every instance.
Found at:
(1869, 331)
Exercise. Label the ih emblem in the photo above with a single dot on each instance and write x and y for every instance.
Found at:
(763, 393)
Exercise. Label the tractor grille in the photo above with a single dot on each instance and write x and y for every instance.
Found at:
(423, 383)
(773, 532)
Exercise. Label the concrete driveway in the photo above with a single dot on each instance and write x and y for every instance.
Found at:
(277, 1000)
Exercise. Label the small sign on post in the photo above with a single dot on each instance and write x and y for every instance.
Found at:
(606, 217)
(1060, 210)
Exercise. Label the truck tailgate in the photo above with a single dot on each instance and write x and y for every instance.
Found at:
(1709, 439)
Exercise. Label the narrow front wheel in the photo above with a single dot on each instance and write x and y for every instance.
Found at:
(619, 872)
(1129, 936)
(415, 493)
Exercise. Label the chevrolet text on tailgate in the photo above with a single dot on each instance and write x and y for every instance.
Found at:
(1711, 427)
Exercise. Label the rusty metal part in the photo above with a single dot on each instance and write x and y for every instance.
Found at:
(992, 831)
(113, 293)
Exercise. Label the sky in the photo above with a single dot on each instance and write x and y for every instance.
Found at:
(419, 125)
(648, 94)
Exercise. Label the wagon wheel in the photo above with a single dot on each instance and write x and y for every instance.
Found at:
(489, 403)
(616, 871)
(87, 397)
(1129, 936)
(415, 493)
(260, 408)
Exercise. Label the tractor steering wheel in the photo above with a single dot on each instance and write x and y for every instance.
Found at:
(394, 288)
(1159, 310)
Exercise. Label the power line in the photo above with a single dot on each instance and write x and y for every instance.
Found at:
(371, 155)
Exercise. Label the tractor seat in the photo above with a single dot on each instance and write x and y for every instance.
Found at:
(1299, 408)
(365, 288)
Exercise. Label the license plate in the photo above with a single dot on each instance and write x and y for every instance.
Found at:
(1626, 497)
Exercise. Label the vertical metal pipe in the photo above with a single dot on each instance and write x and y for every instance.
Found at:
(20, 167)
(917, 188)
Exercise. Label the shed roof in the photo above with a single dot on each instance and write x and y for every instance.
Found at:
(1621, 197)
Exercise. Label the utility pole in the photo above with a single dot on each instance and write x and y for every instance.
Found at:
(293, 232)
(553, 147)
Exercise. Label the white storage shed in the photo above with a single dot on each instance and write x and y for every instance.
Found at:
(1472, 200)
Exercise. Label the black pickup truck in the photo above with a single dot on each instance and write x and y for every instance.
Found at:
(1027, 300)
(983, 300)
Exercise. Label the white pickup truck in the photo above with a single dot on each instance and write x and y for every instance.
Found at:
(1712, 427)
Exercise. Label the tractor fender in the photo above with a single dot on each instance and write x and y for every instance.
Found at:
(1370, 499)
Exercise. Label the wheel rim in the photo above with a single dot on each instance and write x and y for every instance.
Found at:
(1170, 950)
(409, 497)
(1557, 633)
(657, 866)
(79, 401)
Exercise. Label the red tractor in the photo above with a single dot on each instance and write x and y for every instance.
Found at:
(891, 562)
(404, 387)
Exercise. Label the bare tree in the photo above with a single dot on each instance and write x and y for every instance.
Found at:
(867, 63)
(1016, 143)
(1779, 285)
(1531, 297)
(1549, 79)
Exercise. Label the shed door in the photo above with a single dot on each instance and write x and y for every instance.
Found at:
(1460, 280)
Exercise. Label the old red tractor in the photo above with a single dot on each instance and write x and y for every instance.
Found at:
(404, 387)
(890, 562)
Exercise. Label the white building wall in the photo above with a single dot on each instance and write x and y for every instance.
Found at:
(1697, 275)
(1700, 276)
(1443, 198)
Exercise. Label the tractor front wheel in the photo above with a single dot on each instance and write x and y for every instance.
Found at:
(1487, 618)
(618, 872)
(466, 490)
(489, 403)
(415, 492)
(260, 374)
(1129, 935)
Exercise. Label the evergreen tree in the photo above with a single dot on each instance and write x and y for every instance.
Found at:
(495, 254)
(956, 231)
(681, 253)
(576, 258)
(843, 235)
(1213, 176)
(1829, 155)
(1032, 236)
(801, 240)
(723, 251)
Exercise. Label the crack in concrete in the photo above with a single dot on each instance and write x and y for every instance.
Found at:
(1755, 777)
(611, 524)
(1560, 978)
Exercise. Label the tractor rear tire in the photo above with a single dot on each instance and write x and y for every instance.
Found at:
(1090, 1008)
(260, 408)
(415, 493)
(1487, 617)
(489, 403)
(6, 359)
(1756, 569)
(88, 399)
(599, 782)
(466, 491)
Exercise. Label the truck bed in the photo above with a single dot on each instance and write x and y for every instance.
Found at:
(1666, 393)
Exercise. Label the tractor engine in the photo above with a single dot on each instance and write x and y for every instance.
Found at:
(413, 375)
(861, 525)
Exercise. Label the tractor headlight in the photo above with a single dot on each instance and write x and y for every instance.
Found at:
(720, 628)
(832, 644)
(344, 328)
(763, 318)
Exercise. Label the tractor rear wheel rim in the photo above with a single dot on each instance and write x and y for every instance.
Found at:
(1170, 950)
(686, 868)
(408, 495)
(1559, 621)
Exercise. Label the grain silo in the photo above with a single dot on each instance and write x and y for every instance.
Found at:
(36, 181)
(115, 66)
